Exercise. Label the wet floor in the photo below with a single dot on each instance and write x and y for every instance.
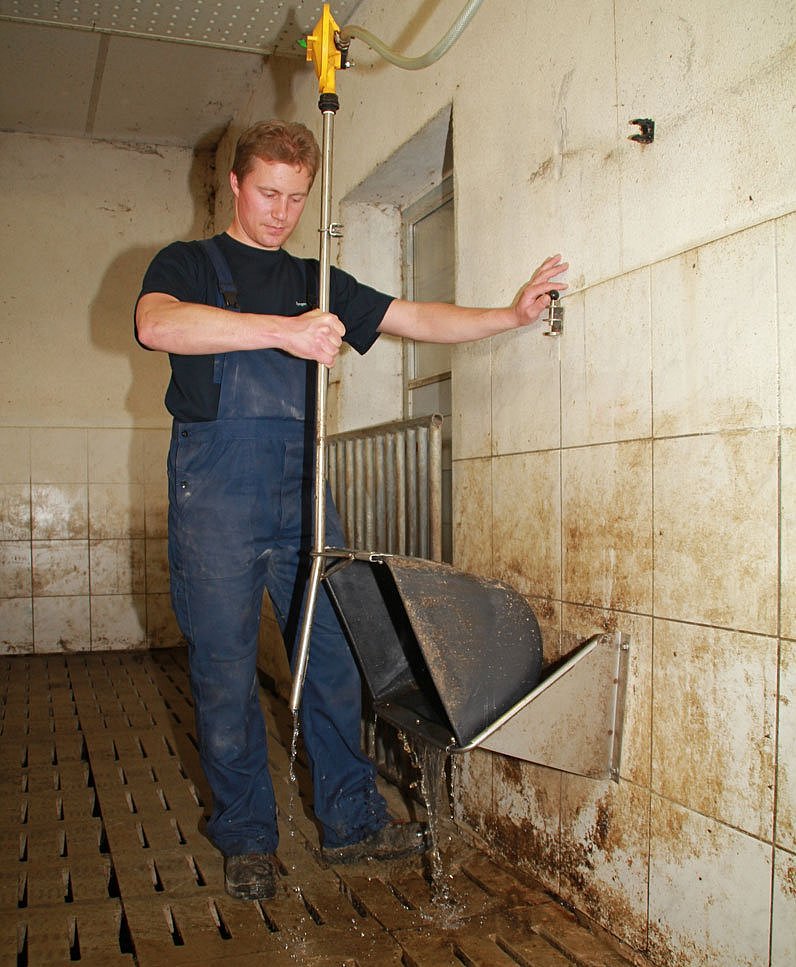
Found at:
(104, 861)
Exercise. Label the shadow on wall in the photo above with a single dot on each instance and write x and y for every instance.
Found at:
(142, 521)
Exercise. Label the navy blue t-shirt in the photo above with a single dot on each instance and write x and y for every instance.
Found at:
(268, 282)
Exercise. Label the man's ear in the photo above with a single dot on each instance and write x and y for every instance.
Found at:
(233, 183)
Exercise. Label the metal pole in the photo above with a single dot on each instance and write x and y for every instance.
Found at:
(329, 105)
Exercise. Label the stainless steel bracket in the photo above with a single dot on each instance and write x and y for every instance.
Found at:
(574, 719)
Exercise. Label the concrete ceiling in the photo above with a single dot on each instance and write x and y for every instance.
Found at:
(142, 71)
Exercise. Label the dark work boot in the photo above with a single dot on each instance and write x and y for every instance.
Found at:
(391, 842)
(250, 876)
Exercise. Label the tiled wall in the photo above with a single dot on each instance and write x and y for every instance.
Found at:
(83, 561)
(652, 491)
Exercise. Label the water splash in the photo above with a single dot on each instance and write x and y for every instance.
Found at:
(430, 762)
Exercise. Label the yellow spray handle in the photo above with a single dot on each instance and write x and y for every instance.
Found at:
(323, 52)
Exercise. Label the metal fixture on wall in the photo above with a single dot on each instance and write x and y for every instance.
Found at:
(555, 315)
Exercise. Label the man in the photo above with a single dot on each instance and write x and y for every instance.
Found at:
(237, 319)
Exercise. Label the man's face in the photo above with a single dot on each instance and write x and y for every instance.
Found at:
(269, 200)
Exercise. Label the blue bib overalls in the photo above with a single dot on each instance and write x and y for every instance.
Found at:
(240, 523)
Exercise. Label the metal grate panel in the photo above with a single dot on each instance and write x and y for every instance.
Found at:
(257, 26)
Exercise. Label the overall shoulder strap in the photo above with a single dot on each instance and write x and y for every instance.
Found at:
(227, 295)
(226, 284)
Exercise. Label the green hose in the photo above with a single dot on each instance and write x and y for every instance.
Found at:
(414, 63)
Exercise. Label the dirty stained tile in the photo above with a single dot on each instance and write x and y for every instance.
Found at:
(713, 723)
(118, 621)
(715, 530)
(526, 407)
(117, 566)
(605, 364)
(714, 337)
(59, 511)
(162, 630)
(783, 914)
(116, 510)
(526, 506)
(15, 569)
(157, 566)
(62, 623)
(156, 509)
(60, 567)
(472, 784)
(58, 455)
(472, 516)
(16, 626)
(709, 892)
(785, 834)
(607, 526)
(548, 616)
(785, 229)
(14, 455)
(579, 625)
(15, 519)
(604, 854)
(524, 821)
(471, 406)
(788, 532)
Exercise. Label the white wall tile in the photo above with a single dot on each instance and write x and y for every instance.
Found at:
(606, 526)
(16, 625)
(471, 399)
(714, 338)
(604, 854)
(157, 566)
(715, 530)
(116, 455)
(785, 230)
(59, 511)
(606, 382)
(783, 915)
(58, 455)
(60, 568)
(15, 569)
(116, 510)
(527, 807)
(788, 533)
(472, 516)
(62, 624)
(15, 512)
(526, 411)
(117, 567)
(162, 630)
(118, 622)
(709, 893)
(527, 522)
(785, 834)
(714, 723)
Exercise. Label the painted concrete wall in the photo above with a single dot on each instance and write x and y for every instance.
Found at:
(83, 430)
(637, 473)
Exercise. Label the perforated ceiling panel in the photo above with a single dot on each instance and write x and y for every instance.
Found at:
(257, 26)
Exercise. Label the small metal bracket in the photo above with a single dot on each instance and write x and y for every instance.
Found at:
(335, 230)
(646, 132)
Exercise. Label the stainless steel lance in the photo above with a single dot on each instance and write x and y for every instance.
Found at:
(329, 105)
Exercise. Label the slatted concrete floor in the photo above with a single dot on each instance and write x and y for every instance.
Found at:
(104, 861)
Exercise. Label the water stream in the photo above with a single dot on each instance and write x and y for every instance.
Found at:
(430, 762)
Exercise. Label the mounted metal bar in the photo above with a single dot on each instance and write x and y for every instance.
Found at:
(387, 484)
